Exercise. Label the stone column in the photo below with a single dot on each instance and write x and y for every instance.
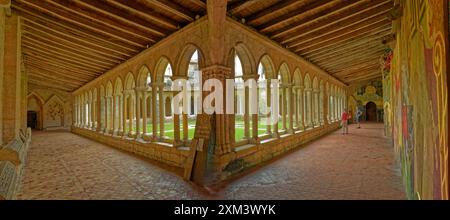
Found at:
(124, 113)
(284, 106)
(114, 114)
(138, 109)
(290, 109)
(130, 114)
(144, 112)
(246, 114)
(269, 99)
(316, 107)
(154, 122)
(325, 106)
(161, 111)
(176, 120)
(301, 95)
(120, 116)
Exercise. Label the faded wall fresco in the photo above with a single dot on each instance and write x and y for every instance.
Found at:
(415, 98)
(362, 95)
(53, 108)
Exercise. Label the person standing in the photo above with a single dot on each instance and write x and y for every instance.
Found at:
(358, 117)
(344, 121)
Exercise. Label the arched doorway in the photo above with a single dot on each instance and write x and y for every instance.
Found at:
(371, 112)
(32, 119)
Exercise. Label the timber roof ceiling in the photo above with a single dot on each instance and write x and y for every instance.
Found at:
(69, 43)
(343, 37)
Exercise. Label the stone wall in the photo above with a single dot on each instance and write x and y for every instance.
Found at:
(53, 107)
(417, 99)
(249, 156)
(161, 152)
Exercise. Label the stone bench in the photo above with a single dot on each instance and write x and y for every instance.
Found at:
(8, 180)
(14, 152)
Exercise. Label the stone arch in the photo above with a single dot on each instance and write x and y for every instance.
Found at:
(184, 59)
(246, 58)
(130, 83)
(284, 73)
(143, 76)
(297, 78)
(269, 68)
(118, 86)
(160, 68)
(39, 109)
(307, 82)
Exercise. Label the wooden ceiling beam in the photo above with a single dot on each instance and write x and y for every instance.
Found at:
(58, 65)
(40, 82)
(72, 10)
(239, 5)
(354, 71)
(127, 20)
(343, 36)
(79, 61)
(341, 28)
(173, 8)
(359, 51)
(51, 76)
(329, 15)
(58, 12)
(344, 53)
(374, 31)
(47, 36)
(50, 57)
(33, 39)
(134, 8)
(48, 77)
(58, 71)
(328, 25)
(197, 3)
(106, 53)
(258, 18)
(350, 80)
(358, 66)
(348, 62)
(280, 26)
(350, 45)
(93, 38)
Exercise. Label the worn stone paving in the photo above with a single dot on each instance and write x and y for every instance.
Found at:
(355, 166)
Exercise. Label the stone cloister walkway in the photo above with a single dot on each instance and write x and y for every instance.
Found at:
(356, 166)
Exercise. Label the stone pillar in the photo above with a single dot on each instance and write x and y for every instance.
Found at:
(316, 108)
(290, 111)
(120, 116)
(269, 100)
(130, 114)
(284, 106)
(325, 106)
(161, 111)
(138, 113)
(246, 114)
(115, 115)
(124, 113)
(301, 94)
(98, 109)
(154, 122)
(144, 112)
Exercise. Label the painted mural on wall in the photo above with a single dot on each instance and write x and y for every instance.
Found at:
(365, 95)
(416, 98)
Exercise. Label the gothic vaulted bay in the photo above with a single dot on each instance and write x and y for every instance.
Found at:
(201, 99)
